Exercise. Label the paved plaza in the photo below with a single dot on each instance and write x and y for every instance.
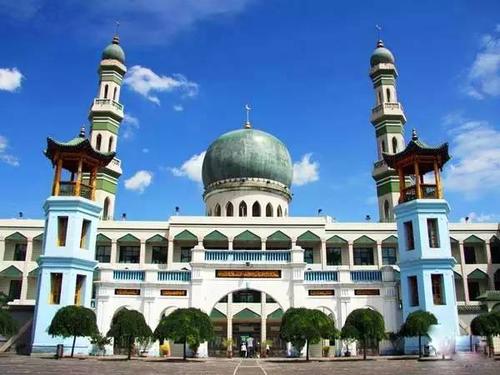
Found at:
(462, 364)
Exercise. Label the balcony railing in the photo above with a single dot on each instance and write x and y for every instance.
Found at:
(366, 276)
(428, 191)
(106, 102)
(129, 275)
(174, 276)
(67, 188)
(265, 256)
(321, 276)
(387, 106)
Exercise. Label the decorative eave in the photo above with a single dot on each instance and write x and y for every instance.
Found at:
(490, 295)
(415, 150)
(79, 145)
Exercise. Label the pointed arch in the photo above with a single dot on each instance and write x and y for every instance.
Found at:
(217, 210)
(110, 144)
(383, 146)
(114, 93)
(105, 211)
(229, 209)
(269, 210)
(256, 209)
(98, 142)
(394, 145)
(279, 211)
(386, 210)
(106, 89)
(242, 210)
(388, 94)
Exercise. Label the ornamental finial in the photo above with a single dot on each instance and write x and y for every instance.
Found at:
(248, 125)
(82, 132)
(414, 135)
(116, 38)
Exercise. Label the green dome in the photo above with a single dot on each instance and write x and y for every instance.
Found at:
(247, 153)
(381, 55)
(114, 51)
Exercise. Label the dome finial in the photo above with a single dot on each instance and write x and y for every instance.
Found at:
(248, 125)
(414, 135)
(116, 38)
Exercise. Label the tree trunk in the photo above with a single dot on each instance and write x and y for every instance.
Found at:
(364, 348)
(129, 347)
(184, 354)
(419, 346)
(73, 347)
(307, 350)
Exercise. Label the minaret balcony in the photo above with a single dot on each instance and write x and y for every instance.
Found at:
(388, 110)
(107, 105)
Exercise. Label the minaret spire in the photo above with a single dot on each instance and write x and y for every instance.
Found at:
(248, 125)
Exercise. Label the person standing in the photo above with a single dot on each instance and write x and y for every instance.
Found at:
(243, 349)
(250, 346)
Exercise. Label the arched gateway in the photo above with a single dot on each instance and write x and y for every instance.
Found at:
(250, 316)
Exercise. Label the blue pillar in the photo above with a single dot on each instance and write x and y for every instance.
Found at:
(429, 262)
(71, 260)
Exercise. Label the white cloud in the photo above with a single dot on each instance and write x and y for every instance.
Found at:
(10, 79)
(475, 167)
(190, 168)
(178, 108)
(483, 78)
(481, 218)
(139, 181)
(305, 171)
(145, 150)
(147, 83)
(5, 157)
(129, 125)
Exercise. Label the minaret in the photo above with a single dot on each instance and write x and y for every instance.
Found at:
(388, 118)
(105, 117)
(67, 263)
(425, 260)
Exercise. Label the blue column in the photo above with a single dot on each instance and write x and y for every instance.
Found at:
(73, 259)
(426, 262)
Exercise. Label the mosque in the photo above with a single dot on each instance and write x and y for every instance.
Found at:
(248, 259)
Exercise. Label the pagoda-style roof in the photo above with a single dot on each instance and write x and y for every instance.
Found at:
(416, 149)
(79, 146)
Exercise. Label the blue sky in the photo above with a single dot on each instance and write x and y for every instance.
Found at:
(303, 67)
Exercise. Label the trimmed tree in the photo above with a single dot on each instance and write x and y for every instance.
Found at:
(418, 323)
(8, 326)
(364, 325)
(488, 325)
(190, 326)
(302, 326)
(127, 326)
(73, 321)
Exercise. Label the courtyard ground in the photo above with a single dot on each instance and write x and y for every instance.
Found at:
(462, 364)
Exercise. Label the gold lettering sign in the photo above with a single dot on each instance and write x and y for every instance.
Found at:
(321, 292)
(249, 274)
(173, 292)
(367, 292)
(127, 292)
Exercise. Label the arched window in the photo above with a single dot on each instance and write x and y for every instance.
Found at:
(229, 209)
(106, 91)
(256, 209)
(217, 210)
(388, 93)
(105, 211)
(110, 145)
(98, 142)
(394, 145)
(114, 93)
(269, 210)
(243, 209)
(279, 211)
(386, 210)
(383, 146)
(379, 98)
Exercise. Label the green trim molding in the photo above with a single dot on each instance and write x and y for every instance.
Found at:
(106, 185)
(387, 188)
